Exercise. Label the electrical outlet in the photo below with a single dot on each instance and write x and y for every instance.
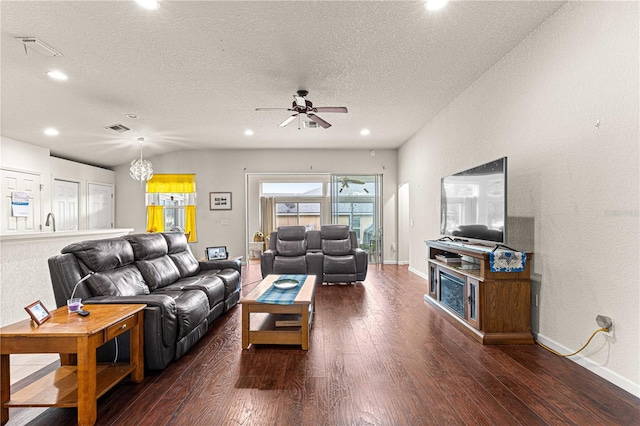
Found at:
(605, 322)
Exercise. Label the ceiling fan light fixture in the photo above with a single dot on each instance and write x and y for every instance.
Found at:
(141, 169)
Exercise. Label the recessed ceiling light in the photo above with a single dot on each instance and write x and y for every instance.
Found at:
(148, 4)
(365, 132)
(131, 116)
(51, 132)
(248, 132)
(57, 75)
(435, 4)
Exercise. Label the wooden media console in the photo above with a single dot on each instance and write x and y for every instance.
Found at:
(494, 307)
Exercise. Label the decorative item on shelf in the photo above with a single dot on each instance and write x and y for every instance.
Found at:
(258, 237)
(141, 169)
(506, 259)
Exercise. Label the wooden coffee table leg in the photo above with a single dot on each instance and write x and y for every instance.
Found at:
(87, 403)
(245, 326)
(305, 327)
(136, 349)
(5, 387)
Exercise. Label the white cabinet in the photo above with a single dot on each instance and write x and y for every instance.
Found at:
(255, 249)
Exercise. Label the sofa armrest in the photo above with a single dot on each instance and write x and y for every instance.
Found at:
(266, 262)
(314, 265)
(159, 302)
(221, 264)
(362, 260)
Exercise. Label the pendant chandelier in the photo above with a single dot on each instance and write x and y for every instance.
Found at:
(141, 169)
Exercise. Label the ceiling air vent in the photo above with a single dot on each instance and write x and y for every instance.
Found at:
(39, 46)
(117, 128)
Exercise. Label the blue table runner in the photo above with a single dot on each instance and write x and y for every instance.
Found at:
(278, 296)
(507, 261)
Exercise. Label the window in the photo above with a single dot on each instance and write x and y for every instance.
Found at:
(296, 213)
(295, 203)
(357, 214)
(292, 189)
(171, 204)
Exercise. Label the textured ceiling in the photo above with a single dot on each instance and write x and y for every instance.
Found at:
(194, 72)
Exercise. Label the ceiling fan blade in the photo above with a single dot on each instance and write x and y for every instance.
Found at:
(288, 120)
(319, 120)
(331, 109)
(274, 109)
(300, 102)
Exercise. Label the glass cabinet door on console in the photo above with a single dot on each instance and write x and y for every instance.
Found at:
(433, 281)
(473, 316)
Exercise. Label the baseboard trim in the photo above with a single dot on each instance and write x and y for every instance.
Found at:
(418, 273)
(610, 376)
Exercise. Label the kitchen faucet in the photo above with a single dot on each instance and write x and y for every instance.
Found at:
(51, 217)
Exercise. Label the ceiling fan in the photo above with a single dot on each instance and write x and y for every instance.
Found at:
(303, 106)
(346, 181)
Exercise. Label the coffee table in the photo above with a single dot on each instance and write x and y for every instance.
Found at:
(80, 380)
(259, 319)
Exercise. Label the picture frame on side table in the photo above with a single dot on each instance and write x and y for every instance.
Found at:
(219, 201)
(38, 312)
(217, 253)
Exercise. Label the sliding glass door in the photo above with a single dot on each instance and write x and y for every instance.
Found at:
(356, 201)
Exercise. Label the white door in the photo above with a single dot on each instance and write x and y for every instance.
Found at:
(65, 204)
(100, 206)
(21, 182)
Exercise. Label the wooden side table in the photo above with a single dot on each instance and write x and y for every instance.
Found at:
(80, 381)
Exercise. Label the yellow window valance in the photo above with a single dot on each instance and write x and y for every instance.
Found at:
(181, 183)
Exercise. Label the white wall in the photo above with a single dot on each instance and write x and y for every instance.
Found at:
(225, 171)
(575, 183)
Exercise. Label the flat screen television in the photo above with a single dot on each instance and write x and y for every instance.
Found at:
(474, 203)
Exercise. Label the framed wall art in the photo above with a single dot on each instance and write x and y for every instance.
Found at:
(219, 201)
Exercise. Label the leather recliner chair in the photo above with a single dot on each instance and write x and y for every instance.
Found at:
(288, 254)
(343, 260)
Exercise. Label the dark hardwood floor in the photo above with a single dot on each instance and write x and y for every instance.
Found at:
(379, 355)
